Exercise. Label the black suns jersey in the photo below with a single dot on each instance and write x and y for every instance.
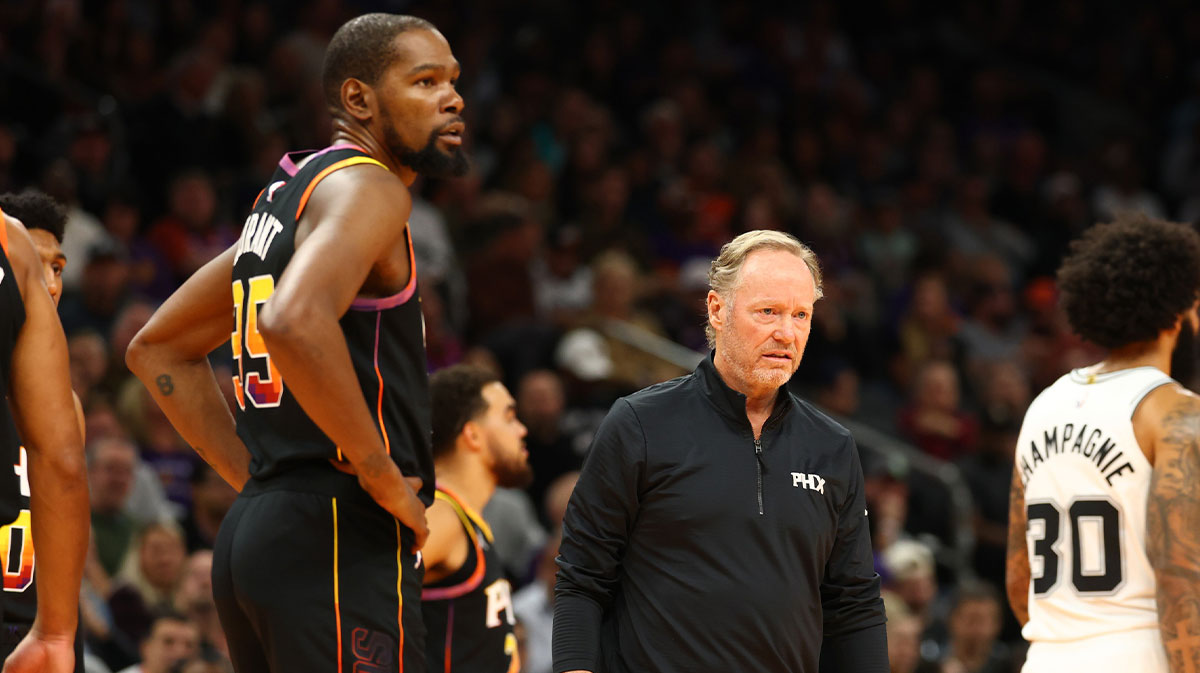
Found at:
(385, 337)
(18, 599)
(469, 614)
(12, 318)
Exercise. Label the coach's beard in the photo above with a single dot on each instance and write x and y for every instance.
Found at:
(1185, 355)
(430, 161)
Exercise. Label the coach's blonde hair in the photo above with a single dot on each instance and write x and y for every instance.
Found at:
(724, 274)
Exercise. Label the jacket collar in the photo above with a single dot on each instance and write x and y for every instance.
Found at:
(730, 402)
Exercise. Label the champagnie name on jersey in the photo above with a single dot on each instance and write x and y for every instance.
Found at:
(1087, 442)
(257, 235)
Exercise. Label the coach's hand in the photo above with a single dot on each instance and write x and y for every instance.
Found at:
(42, 654)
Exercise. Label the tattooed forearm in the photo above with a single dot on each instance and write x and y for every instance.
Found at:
(1173, 534)
(1017, 564)
(165, 385)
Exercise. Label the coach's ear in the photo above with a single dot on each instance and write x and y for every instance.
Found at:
(716, 314)
(358, 99)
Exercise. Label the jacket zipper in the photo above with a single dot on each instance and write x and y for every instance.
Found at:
(758, 470)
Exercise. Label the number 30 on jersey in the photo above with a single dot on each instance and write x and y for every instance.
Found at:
(262, 386)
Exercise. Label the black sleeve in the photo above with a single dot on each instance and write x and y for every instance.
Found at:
(596, 528)
(864, 650)
(850, 600)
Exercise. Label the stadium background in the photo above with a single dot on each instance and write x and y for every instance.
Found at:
(938, 156)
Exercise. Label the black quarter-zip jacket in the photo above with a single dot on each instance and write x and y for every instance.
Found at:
(690, 546)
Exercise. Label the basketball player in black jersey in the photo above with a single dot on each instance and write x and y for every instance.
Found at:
(35, 378)
(315, 566)
(478, 444)
(45, 221)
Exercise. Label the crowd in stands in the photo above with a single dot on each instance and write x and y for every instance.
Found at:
(939, 157)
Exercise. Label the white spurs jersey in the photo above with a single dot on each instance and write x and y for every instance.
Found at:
(1086, 483)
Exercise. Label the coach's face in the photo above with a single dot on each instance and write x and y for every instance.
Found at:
(420, 107)
(761, 331)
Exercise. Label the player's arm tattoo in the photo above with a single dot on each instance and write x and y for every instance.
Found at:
(1016, 565)
(1173, 534)
(165, 385)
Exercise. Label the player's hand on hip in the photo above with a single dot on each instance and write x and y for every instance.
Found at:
(411, 511)
(42, 654)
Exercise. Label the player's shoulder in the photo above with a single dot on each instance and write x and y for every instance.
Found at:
(1172, 408)
(443, 513)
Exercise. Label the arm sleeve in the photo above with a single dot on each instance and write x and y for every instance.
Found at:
(596, 528)
(850, 601)
(863, 650)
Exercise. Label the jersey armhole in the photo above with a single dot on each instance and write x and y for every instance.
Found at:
(1137, 399)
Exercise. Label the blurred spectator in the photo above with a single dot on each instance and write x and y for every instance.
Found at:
(500, 289)
(194, 599)
(616, 283)
(554, 448)
(191, 233)
(519, 536)
(934, 419)
(994, 327)
(89, 363)
(147, 501)
(886, 490)
(927, 329)
(170, 639)
(111, 466)
(557, 496)
(211, 499)
(562, 284)
(148, 579)
(161, 446)
(971, 230)
(1121, 189)
(443, 347)
(534, 607)
(888, 246)
(104, 290)
(904, 645)
(909, 564)
(1005, 397)
(974, 625)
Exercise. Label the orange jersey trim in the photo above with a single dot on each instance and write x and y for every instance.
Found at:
(337, 606)
(387, 444)
(400, 591)
(3, 233)
(352, 161)
(465, 509)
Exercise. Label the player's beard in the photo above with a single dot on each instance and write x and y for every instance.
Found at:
(1185, 355)
(511, 471)
(430, 160)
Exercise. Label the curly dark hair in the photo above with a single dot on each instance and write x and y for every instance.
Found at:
(363, 48)
(36, 210)
(456, 396)
(1126, 281)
